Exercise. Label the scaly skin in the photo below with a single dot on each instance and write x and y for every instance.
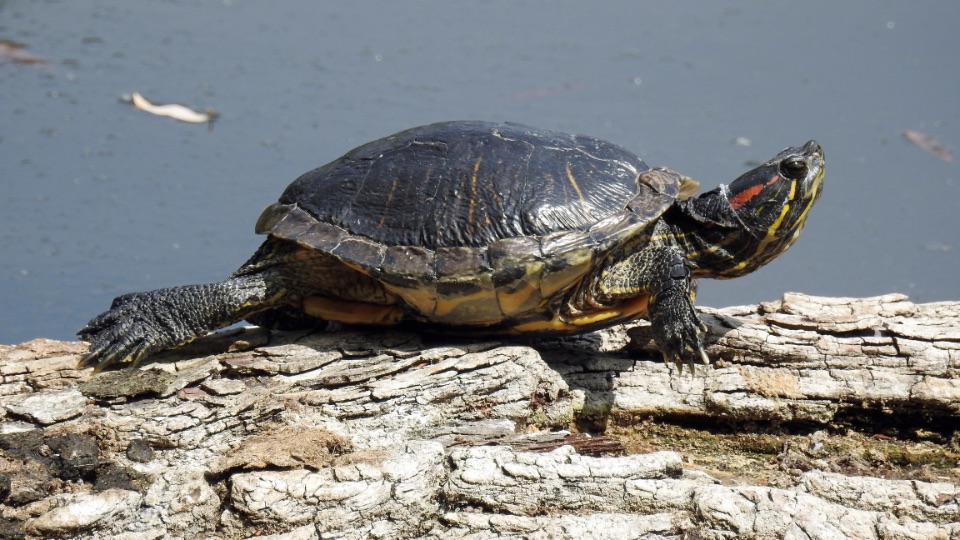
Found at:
(664, 274)
(268, 290)
(141, 324)
(676, 325)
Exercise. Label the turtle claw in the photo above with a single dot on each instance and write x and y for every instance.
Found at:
(681, 342)
(690, 355)
(126, 333)
(109, 346)
(104, 353)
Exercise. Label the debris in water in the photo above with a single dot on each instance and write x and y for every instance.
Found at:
(928, 143)
(173, 110)
(937, 246)
(17, 53)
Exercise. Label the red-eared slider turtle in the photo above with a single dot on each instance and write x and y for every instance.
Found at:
(475, 227)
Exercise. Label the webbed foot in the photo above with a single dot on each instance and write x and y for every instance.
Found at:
(136, 326)
(140, 324)
(679, 338)
(677, 327)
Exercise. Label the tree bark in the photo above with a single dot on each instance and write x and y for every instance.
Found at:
(383, 434)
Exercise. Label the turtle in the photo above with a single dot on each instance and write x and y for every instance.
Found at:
(485, 229)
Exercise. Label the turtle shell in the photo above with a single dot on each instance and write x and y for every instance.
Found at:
(473, 222)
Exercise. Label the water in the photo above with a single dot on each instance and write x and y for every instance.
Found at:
(98, 199)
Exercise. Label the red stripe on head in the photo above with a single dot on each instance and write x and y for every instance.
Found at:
(744, 196)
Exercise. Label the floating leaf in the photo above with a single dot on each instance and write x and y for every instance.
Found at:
(17, 53)
(173, 110)
(928, 143)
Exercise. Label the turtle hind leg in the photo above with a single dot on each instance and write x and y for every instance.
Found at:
(140, 324)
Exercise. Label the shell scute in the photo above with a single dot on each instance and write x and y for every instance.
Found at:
(409, 261)
(461, 261)
(361, 252)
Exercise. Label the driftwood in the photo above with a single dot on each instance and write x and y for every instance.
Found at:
(357, 434)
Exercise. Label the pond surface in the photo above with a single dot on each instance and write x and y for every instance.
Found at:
(99, 199)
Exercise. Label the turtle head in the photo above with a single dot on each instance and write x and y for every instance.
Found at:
(770, 205)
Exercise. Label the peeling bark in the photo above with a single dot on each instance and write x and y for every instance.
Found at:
(356, 434)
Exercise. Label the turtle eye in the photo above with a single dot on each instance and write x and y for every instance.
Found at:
(793, 167)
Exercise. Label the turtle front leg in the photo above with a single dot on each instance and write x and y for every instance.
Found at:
(140, 324)
(664, 274)
(677, 327)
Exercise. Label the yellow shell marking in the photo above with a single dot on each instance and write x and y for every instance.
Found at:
(423, 300)
(579, 263)
(626, 310)
(576, 188)
(524, 298)
(480, 307)
(473, 192)
(552, 325)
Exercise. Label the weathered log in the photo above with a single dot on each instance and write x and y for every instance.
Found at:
(359, 434)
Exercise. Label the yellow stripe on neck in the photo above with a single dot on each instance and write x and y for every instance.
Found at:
(772, 230)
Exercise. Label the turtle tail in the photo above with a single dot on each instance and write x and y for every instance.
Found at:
(140, 324)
